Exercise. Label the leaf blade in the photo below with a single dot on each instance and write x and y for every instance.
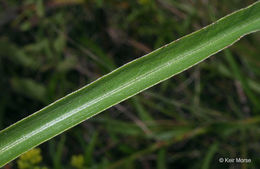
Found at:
(126, 81)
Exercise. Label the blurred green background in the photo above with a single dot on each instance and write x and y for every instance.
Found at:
(49, 48)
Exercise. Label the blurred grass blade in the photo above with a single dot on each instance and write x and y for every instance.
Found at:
(161, 159)
(126, 81)
(209, 156)
(241, 78)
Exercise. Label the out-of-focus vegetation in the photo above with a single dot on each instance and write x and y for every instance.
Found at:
(30, 160)
(50, 48)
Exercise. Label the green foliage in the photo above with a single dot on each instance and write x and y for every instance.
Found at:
(57, 46)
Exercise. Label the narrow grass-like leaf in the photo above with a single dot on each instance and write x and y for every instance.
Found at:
(125, 82)
(209, 156)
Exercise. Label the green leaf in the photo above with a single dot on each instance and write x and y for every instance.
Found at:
(29, 88)
(209, 156)
(126, 81)
(161, 159)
